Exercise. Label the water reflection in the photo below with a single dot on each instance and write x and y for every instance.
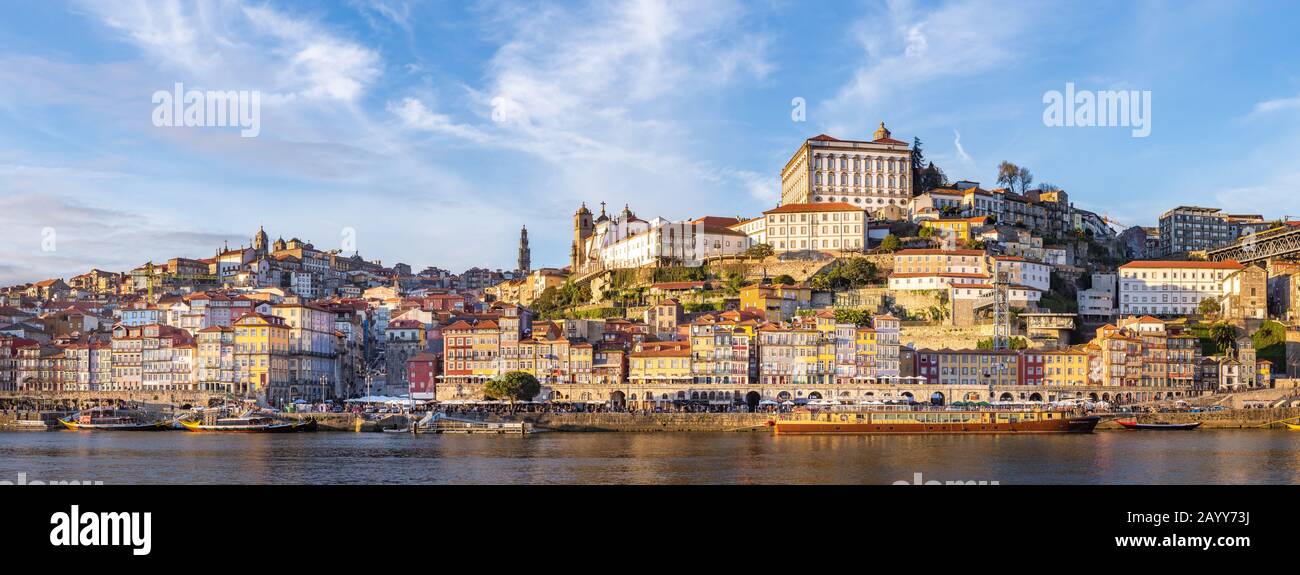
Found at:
(1205, 456)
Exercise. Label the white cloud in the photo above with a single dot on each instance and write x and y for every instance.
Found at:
(1277, 196)
(413, 114)
(605, 100)
(961, 152)
(1277, 105)
(907, 49)
(605, 93)
(230, 44)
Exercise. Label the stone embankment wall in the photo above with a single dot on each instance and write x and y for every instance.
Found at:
(940, 336)
(772, 267)
(1228, 419)
(628, 422)
(340, 421)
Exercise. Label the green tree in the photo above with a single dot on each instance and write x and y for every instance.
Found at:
(857, 272)
(1224, 336)
(759, 251)
(1209, 307)
(890, 243)
(1270, 343)
(859, 317)
(733, 283)
(1013, 343)
(931, 177)
(513, 386)
(783, 279)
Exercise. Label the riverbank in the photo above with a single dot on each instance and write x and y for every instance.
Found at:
(652, 422)
(757, 422)
(745, 422)
(1229, 419)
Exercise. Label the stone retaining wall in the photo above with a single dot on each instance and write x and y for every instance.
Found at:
(1229, 419)
(942, 336)
(628, 422)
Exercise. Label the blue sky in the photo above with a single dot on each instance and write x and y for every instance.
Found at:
(379, 115)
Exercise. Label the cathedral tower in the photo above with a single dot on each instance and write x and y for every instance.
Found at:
(260, 241)
(582, 229)
(525, 254)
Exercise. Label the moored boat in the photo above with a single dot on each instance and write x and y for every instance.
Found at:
(246, 423)
(109, 419)
(933, 421)
(1133, 424)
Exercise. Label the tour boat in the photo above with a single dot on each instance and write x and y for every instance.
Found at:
(932, 421)
(108, 419)
(1133, 424)
(247, 423)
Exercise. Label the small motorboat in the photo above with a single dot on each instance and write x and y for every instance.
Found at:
(1292, 426)
(109, 419)
(1133, 424)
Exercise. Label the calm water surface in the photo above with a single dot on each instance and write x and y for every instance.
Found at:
(1205, 456)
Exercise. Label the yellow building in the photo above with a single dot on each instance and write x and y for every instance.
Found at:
(722, 349)
(978, 367)
(580, 361)
(485, 346)
(262, 355)
(775, 301)
(864, 350)
(663, 362)
(958, 228)
(1065, 367)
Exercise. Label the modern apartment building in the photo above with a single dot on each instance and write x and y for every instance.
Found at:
(1191, 228)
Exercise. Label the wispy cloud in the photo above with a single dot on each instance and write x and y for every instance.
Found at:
(1273, 197)
(86, 235)
(906, 48)
(1277, 105)
(961, 152)
(231, 43)
(603, 93)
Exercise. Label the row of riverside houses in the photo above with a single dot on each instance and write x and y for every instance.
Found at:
(220, 341)
(737, 358)
(238, 323)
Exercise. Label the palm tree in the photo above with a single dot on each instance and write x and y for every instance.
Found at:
(1224, 336)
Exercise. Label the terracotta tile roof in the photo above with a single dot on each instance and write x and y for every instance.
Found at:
(936, 252)
(817, 207)
(1224, 265)
(940, 275)
(716, 221)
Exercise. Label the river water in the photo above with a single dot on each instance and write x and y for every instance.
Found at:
(1196, 457)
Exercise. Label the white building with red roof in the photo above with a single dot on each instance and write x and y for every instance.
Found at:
(827, 227)
(1166, 288)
